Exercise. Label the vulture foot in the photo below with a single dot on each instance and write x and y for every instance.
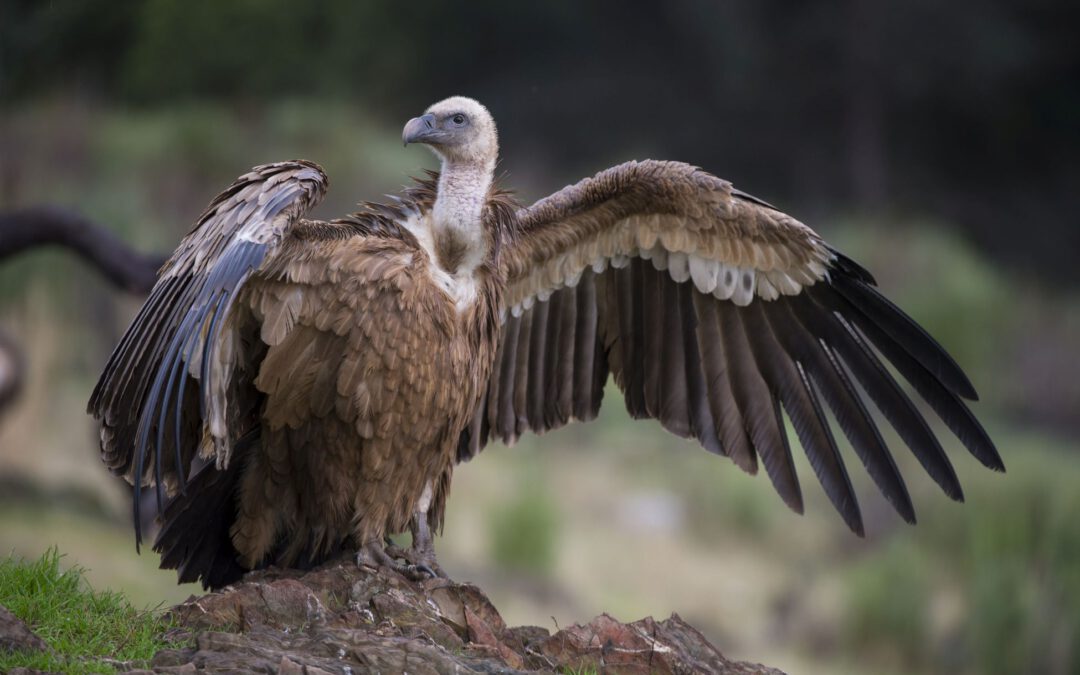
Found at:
(423, 546)
(375, 555)
(418, 561)
(422, 552)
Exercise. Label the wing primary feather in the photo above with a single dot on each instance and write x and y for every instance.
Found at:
(145, 423)
(120, 354)
(185, 373)
(149, 350)
(843, 399)
(871, 308)
(844, 497)
(788, 381)
(881, 387)
(945, 402)
(176, 359)
(758, 407)
(154, 403)
(106, 405)
(787, 457)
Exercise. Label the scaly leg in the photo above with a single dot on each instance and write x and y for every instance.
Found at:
(422, 553)
(423, 544)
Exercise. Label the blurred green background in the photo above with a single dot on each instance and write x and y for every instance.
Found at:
(937, 143)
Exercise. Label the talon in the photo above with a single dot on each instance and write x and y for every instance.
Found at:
(376, 556)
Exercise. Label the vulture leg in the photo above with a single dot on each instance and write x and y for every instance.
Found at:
(422, 554)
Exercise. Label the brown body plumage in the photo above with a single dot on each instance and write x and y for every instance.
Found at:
(298, 387)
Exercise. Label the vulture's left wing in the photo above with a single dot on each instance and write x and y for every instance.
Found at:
(714, 311)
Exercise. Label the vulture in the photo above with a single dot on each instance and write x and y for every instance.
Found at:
(297, 389)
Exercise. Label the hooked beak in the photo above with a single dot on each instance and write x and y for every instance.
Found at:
(419, 130)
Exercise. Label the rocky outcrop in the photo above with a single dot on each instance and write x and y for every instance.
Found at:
(16, 636)
(346, 619)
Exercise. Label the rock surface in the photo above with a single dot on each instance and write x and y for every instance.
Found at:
(345, 619)
(16, 636)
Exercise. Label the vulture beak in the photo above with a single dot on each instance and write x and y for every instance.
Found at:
(419, 129)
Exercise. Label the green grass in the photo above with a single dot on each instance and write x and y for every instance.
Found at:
(87, 630)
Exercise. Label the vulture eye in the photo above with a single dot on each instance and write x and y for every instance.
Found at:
(459, 120)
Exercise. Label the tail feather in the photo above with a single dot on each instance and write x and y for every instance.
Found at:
(194, 537)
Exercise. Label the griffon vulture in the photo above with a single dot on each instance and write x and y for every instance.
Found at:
(294, 388)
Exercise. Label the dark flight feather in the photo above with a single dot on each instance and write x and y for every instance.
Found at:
(842, 398)
(874, 309)
(702, 425)
(945, 402)
(883, 390)
(758, 407)
(673, 396)
(788, 382)
(730, 426)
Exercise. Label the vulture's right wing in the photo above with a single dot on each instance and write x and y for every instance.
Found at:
(714, 311)
(178, 334)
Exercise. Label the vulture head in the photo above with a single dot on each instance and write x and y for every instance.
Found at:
(458, 130)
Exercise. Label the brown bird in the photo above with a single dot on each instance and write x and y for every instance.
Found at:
(294, 388)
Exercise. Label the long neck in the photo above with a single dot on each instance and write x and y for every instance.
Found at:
(457, 215)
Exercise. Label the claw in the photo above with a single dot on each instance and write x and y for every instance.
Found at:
(421, 567)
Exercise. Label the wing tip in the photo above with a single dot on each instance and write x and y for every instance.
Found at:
(955, 493)
(857, 528)
(984, 450)
(794, 500)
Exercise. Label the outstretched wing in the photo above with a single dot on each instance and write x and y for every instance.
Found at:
(178, 334)
(714, 311)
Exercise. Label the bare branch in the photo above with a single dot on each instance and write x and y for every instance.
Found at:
(29, 228)
(26, 229)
